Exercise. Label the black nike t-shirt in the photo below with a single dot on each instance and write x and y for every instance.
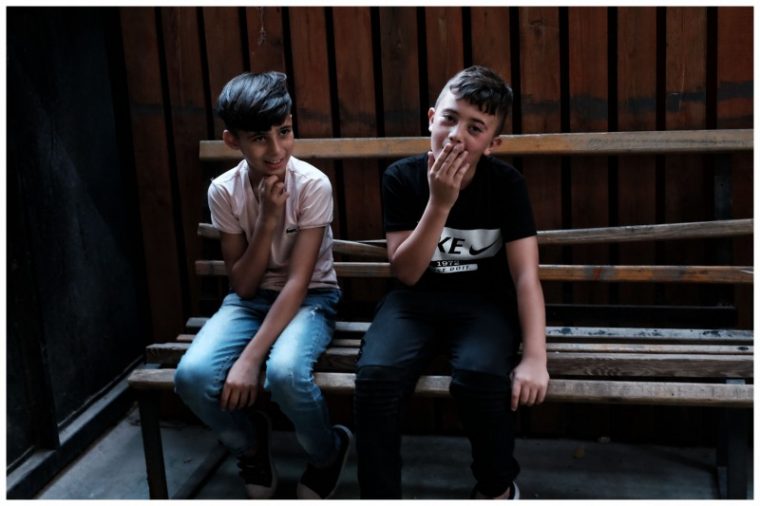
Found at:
(493, 210)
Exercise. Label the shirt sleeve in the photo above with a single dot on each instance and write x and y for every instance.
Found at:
(220, 205)
(316, 204)
(518, 214)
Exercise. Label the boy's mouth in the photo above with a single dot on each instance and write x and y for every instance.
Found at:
(275, 164)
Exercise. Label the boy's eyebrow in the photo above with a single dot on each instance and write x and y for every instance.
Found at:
(476, 120)
(265, 132)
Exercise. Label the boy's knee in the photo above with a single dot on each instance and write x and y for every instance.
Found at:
(467, 384)
(369, 375)
(284, 379)
(379, 382)
(190, 378)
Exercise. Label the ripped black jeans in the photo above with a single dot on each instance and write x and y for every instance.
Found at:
(481, 334)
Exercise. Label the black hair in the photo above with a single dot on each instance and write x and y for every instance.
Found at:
(254, 102)
(483, 88)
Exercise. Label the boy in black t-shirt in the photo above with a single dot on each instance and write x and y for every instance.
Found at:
(462, 242)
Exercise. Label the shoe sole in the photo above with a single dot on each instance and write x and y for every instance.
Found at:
(303, 492)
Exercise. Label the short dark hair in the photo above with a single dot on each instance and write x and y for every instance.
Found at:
(483, 88)
(254, 102)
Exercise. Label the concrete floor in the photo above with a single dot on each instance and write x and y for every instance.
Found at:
(435, 467)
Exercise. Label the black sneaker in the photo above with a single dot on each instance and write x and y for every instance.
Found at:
(321, 483)
(258, 472)
(514, 493)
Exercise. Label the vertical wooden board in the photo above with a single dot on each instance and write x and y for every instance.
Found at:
(311, 78)
(490, 43)
(445, 47)
(153, 172)
(400, 69)
(188, 114)
(688, 194)
(356, 106)
(587, 34)
(311, 84)
(265, 40)
(637, 111)
(540, 103)
(224, 51)
(734, 110)
(735, 69)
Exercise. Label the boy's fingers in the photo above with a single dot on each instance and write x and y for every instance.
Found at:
(224, 397)
(515, 396)
(525, 395)
(233, 400)
(454, 160)
(443, 159)
(459, 174)
(459, 162)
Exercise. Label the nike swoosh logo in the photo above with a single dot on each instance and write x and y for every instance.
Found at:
(290, 230)
(474, 251)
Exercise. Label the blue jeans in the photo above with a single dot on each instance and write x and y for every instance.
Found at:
(203, 370)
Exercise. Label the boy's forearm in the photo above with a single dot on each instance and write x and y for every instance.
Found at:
(249, 269)
(412, 257)
(279, 316)
(532, 314)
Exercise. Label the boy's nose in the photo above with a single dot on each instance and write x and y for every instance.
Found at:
(275, 147)
(454, 135)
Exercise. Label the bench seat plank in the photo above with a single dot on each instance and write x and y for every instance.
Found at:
(560, 390)
(561, 363)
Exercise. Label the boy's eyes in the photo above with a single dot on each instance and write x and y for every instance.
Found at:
(450, 118)
(262, 138)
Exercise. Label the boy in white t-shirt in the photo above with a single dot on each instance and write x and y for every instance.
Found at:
(273, 213)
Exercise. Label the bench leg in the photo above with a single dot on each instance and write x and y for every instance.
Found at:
(733, 440)
(148, 403)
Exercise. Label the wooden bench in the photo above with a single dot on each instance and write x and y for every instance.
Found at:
(602, 364)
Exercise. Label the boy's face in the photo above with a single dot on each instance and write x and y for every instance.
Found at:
(268, 152)
(459, 122)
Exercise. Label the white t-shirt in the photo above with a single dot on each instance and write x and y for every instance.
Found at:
(234, 210)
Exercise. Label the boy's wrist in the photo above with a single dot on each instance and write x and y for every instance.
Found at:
(439, 208)
(534, 355)
(266, 223)
(252, 354)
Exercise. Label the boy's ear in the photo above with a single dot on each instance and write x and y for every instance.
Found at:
(231, 140)
(495, 143)
(431, 115)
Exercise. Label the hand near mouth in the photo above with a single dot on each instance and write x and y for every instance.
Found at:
(272, 196)
(445, 175)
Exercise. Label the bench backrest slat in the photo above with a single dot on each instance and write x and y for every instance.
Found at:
(628, 233)
(601, 143)
(606, 273)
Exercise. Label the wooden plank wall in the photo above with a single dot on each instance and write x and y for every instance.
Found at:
(369, 71)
